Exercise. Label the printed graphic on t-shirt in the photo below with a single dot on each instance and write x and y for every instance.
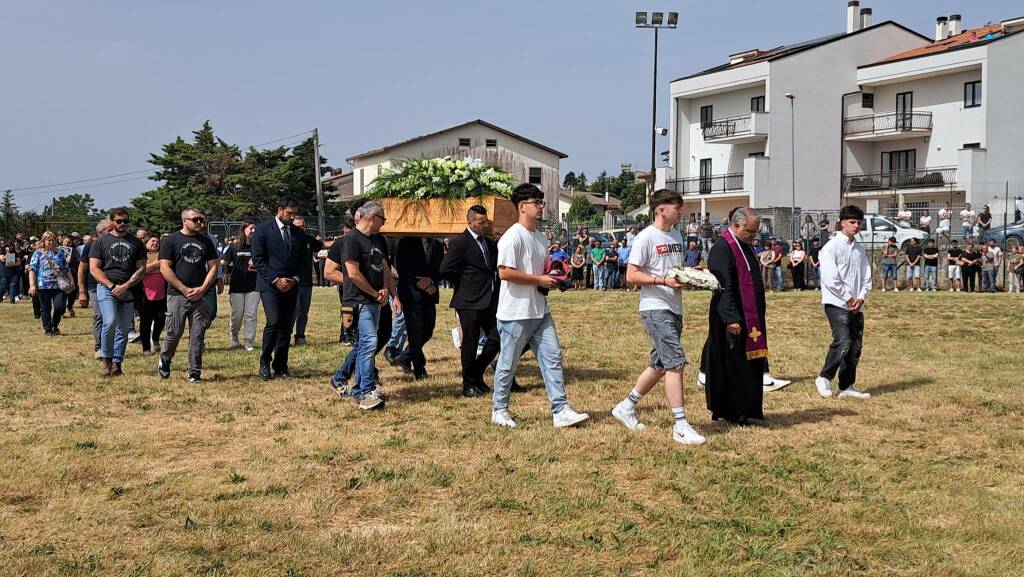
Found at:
(192, 252)
(663, 249)
(120, 251)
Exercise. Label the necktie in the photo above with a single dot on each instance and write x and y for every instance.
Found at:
(428, 248)
(287, 238)
(483, 249)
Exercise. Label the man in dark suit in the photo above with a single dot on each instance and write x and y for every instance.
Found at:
(278, 252)
(305, 288)
(418, 263)
(471, 265)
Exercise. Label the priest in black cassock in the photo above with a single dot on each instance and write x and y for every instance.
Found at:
(736, 352)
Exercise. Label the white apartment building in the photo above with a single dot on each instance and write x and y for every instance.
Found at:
(531, 161)
(833, 102)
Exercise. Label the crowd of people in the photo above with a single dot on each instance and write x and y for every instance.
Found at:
(170, 282)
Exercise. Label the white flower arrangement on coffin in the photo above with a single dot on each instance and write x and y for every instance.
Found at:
(695, 278)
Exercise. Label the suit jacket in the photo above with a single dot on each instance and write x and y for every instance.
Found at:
(272, 258)
(411, 262)
(475, 282)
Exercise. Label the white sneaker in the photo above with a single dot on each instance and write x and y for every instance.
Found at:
(854, 394)
(772, 384)
(685, 434)
(503, 419)
(627, 416)
(702, 379)
(896, 290)
(824, 387)
(568, 417)
(883, 289)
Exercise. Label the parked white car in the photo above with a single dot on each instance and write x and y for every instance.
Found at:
(877, 229)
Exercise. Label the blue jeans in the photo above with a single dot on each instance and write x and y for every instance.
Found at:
(931, 277)
(613, 275)
(778, 279)
(360, 359)
(397, 340)
(542, 337)
(117, 321)
(988, 281)
(598, 271)
(10, 283)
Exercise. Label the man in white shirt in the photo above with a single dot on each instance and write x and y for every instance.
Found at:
(523, 313)
(845, 284)
(656, 250)
(904, 217)
(945, 214)
(967, 217)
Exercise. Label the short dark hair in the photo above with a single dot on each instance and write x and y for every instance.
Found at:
(665, 196)
(525, 192)
(892, 239)
(119, 211)
(287, 202)
(475, 209)
(851, 211)
(931, 241)
(953, 241)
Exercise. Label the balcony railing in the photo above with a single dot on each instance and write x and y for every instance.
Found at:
(889, 179)
(727, 127)
(717, 183)
(887, 123)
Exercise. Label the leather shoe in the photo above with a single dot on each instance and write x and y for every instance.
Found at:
(406, 368)
(390, 356)
(517, 388)
(472, 392)
(283, 375)
(419, 376)
(265, 372)
(483, 387)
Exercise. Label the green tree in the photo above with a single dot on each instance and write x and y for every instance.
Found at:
(570, 180)
(73, 212)
(581, 181)
(580, 210)
(9, 215)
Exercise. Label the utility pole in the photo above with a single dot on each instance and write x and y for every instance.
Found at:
(319, 187)
(1006, 211)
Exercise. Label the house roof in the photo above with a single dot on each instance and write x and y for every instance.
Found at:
(594, 199)
(966, 39)
(451, 128)
(788, 50)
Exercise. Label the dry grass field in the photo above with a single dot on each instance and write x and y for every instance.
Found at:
(141, 476)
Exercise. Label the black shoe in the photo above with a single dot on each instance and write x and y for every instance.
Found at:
(406, 368)
(265, 372)
(283, 375)
(419, 376)
(300, 341)
(517, 388)
(391, 356)
(472, 392)
(163, 369)
(483, 387)
(194, 378)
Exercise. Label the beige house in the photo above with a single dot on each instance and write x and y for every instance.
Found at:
(600, 204)
(529, 160)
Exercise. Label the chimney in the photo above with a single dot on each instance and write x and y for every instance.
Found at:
(852, 17)
(954, 25)
(865, 18)
(941, 28)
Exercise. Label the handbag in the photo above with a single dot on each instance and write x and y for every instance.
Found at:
(65, 281)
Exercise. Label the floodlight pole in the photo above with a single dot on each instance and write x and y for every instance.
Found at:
(644, 23)
(319, 187)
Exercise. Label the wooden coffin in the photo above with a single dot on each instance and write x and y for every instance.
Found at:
(442, 217)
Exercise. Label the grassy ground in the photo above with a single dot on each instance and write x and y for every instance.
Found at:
(139, 476)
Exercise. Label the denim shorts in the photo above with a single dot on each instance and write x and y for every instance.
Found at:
(888, 271)
(665, 326)
(914, 271)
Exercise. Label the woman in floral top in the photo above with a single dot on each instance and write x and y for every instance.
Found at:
(46, 263)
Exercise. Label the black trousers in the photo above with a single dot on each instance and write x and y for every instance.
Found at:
(52, 305)
(279, 309)
(968, 276)
(798, 277)
(420, 319)
(847, 340)
(475, 323)
(152, 315)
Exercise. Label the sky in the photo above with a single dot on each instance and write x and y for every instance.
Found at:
(90, 89)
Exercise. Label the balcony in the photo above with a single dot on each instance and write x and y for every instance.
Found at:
(737, 129)
(918, 178)
(887, 126)
(714, 184)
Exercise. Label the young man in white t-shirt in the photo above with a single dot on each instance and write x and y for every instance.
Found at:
(657, 249)
(967, 217)
(523, 314)
(904, 217)
(945, 214)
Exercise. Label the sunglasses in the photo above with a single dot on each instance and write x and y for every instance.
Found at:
(382, 218)
(197, 220)
(121, 221)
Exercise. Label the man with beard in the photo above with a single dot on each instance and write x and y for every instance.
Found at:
(736, 350)
(188, 262)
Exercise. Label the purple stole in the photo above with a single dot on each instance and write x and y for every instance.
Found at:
(757, 338)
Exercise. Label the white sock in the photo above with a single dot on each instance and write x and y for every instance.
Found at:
(679, 414)
(633, 398)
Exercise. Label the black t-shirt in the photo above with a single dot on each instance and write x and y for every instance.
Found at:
(985, 218)
(313, 246)
(913, 252)
(243, 280)
(189, 255)
(371, 253)
(972, 255)
(954, 253)
(120, 256)
(813, 254)
(931, 256)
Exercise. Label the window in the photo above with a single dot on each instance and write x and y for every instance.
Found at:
(756, 155)
(706, 116)
(535, 175)
(492, 143)
(972, 145)
(867, 100)
(972, 94)
(362, 181)
(757, 104)
(464, 142)
(705, 175)
(882, 225)
(904, 111)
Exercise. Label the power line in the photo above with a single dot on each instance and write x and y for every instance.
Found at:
(77, 181)
(58, 191)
